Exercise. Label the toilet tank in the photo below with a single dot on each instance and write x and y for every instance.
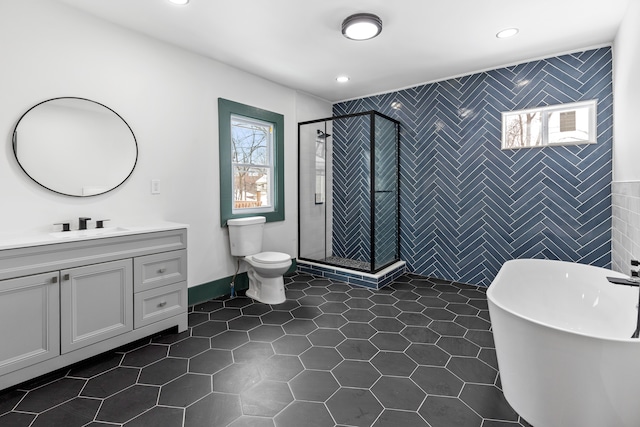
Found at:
(245, 235)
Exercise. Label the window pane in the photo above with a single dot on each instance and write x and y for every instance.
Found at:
(251, 141)
(522, 130)
(569, 126)
(251, 187)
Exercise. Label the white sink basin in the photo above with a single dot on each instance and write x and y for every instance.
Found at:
(93, 232)
(22, 239)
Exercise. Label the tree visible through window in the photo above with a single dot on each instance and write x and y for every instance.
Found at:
(252, 153)
(523, 130)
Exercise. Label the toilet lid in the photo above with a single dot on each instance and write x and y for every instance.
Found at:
(271, 257)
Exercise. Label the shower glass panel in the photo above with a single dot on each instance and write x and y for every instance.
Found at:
(385, 192)
(348, 192)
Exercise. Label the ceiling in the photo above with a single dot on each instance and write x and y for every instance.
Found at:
(298, 43)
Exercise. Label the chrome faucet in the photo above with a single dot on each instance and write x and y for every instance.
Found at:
(633, 281)
(83, 222)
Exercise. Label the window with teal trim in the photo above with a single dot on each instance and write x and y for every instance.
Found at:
(251, 162)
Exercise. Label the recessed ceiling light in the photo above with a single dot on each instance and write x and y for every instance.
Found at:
(179, 2)
(361, 26)
(509, 32)
(342, 79)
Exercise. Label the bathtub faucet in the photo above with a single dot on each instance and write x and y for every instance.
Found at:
(633, 281)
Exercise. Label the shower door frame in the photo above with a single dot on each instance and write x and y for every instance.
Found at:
(372, 189)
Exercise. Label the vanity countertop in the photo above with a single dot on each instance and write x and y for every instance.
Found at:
(38, 238)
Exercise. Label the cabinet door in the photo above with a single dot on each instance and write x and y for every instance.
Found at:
(29, 321)
(96, 303)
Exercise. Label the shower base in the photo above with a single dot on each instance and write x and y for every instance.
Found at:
(347, 263)
(353, 277)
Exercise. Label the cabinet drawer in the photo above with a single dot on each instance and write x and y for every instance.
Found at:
(153, 271)
(159, 303)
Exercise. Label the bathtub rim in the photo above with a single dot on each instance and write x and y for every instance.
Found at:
(491, 299)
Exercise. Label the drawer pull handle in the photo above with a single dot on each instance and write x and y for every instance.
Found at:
(162, 270)
(162, 304)
(65, 277)
(54, 279)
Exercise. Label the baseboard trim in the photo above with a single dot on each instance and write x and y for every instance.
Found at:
(221, 287)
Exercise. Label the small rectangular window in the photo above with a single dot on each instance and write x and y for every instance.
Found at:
(564, 124)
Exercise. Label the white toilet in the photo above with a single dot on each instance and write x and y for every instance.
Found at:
(265, 270)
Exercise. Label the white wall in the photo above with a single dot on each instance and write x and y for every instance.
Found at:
(626, 49)
(312, 223)
(169, 98)
(625, 188)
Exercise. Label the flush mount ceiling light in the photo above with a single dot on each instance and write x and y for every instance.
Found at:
(342, 79)
(506, 33)
(179, 2)
(361, 26)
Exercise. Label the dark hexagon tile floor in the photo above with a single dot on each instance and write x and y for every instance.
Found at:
(417, 353)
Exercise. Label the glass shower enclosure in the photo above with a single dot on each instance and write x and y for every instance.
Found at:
(348, 191)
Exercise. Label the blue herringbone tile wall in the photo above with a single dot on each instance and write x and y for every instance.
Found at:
(351, 189)
(385, 193)
(467, 206)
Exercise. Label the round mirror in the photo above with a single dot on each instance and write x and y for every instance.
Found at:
(75, 146)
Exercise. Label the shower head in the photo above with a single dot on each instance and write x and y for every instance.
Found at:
(322, 134)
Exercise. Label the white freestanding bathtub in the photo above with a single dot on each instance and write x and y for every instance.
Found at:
(562, 335)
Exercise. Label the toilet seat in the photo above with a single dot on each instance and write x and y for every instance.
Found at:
(270, 258)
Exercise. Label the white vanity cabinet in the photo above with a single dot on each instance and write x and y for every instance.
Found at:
(63, 302)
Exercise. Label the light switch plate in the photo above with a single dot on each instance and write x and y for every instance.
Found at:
(155, 186)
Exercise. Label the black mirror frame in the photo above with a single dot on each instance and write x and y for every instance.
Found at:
(14, 142)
